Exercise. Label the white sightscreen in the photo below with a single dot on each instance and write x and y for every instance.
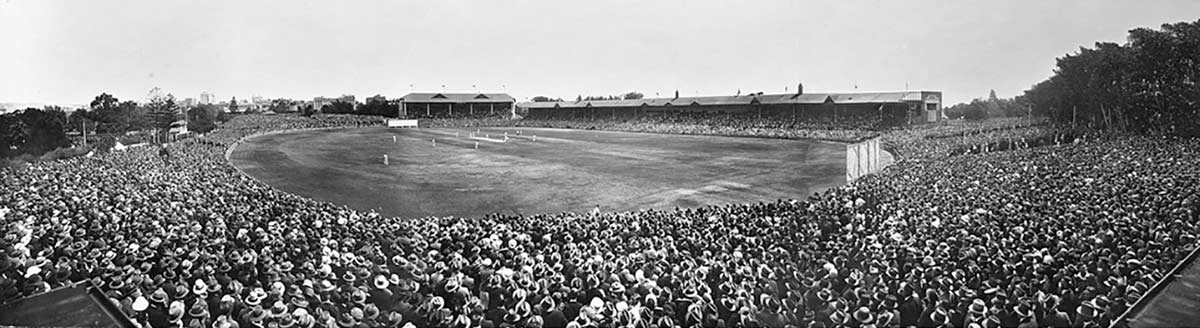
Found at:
(402, 123)
(862, 158)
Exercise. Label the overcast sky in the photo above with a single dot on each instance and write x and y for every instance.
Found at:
(71, 51)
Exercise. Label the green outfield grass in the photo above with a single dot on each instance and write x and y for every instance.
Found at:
(560, 171)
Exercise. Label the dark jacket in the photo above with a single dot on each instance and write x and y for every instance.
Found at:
(554, 319)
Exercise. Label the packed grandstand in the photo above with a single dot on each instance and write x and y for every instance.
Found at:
(987, 224)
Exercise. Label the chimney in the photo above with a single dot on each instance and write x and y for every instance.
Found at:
(676, 94)
(799, 89)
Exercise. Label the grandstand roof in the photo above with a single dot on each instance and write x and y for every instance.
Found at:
(616, 103)
(539, 104)
(457, 97)
(872, 98)
(771, 99)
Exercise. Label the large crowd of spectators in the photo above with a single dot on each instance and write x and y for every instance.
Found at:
(918, 142)
(722, 124)
(1058, 235)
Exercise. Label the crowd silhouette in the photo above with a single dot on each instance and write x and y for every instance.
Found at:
(1067, 234)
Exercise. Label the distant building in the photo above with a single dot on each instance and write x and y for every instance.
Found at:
(319, 102)
(207, 98)
(886, 108)
(376, 99)
(430, 105)
(188, 102)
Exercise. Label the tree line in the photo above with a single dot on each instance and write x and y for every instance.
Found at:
(377, 105)
(37, 131)
(108, 115)
(32, 132)
(628, 96)
(1149, 83)
(979, 109)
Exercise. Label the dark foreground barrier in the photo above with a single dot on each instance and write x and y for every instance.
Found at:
(77, 305)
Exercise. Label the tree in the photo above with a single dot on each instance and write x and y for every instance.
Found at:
(162, 110)
(1147, 84)
(133, 117)
(992, 96)
(78, 118)
(282, 106)
(378, 105)
(977, 109)
(633, 95)
(13, 135)
(545, 99)
(602, 98)
(104, 101)
(203, 118)
(47, 130)
(114, 116)
(338, 107)
(33, 131)
(233, 105)
(107, 110)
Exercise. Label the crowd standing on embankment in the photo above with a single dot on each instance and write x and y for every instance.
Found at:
(1065, 234)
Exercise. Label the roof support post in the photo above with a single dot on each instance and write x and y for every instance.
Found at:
(880, 110)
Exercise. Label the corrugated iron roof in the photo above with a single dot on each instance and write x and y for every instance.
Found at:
(617, 103)
(771, 99)
(457, 97)
(539, 104)
(808, 98)
(870, 97)
(656, 101)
